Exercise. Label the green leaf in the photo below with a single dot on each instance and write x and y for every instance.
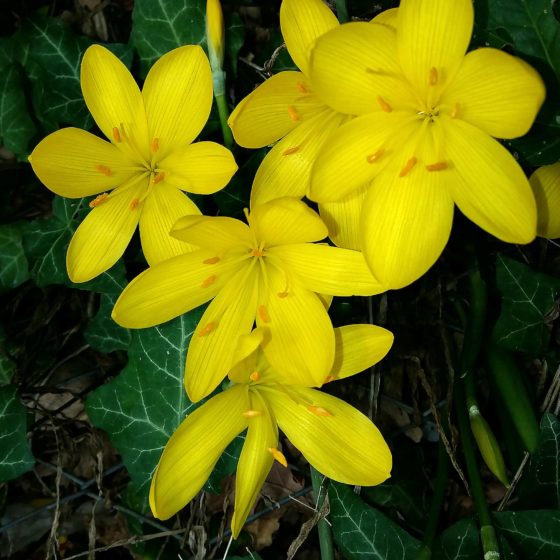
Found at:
(461, 541)
(15, 456)
(158, 27)
(226, 465)
(16, 126)
(364, 533)
(527, 300)
(146, 402)
(234, 39)
(14, 269)
(7, 365)
(102, 333)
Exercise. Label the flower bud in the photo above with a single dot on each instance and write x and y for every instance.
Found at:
(215, 34)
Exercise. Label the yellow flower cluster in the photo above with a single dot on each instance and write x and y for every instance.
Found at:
(387, 125)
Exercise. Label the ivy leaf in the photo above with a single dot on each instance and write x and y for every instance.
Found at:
(14, 269)
(461, 541)
(7, 365)
(15, 456)
(364, 533)
(102, 333)
(528, 299)
(234, 39)
(158, 27)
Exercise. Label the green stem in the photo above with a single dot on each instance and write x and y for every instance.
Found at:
(341, 10)
(325, 536)
(223, 112)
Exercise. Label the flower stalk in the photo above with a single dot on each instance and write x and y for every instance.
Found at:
(342, 11)
(325, 535)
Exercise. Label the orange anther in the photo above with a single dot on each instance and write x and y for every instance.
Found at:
(117, 135)
(158, 177)
(455, 112)
(209, 281)
(278, 455)
(290, 151)
(376, 156)
(134, 203)
(293, 114)
(302, 88)
(282, 295)
(154, 145)
(99, 199)
(103, 169)
(384, 105)
(263, 314)
(251, 413)
(318, 410)
(212, 260)
(433, 77)
(255, 376)
(439, 166)
(207, 329)
(408, 166)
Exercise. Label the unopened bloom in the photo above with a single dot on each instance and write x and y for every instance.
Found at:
(338, 440)
(423, 139)
(215, 34)
(147, 163)
(268, 271)
(546, 188)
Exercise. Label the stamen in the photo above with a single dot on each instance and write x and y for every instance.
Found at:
(158, 177)
(384, 105)
(251, 413)
(117, 135)
(408, 166)
(208, 328)
(294, 115)
(318, 410)
(103, 169)
(209, 281)
(282, 295)
(439, 166)
(255, 376)
(99, 199)
(290, 151)
(263, 314)
(329, 379)
(433, 78)
(455, 112)
(212, 260)
(278, 455)
(134, 203)
(155, 145)
(301, 88)
(372, 158)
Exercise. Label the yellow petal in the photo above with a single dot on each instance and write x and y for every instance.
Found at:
(359, 347)
(545, 182)
(178, 97)
(302, 22)
(300, 341)
(433, 34)
(345, 446)
(114, 100)
(255, 461)
(74, 163)
(193, 450)
(102, 237)
(286, 169)
(489, 186)
(387, 17)
(328, 270)
(172, 288)
(160, 210)
(214, 341)
(273, 109)
(354, 69)
(497, 92)
(245, 356)
(286, 220)
(342, 218)
(201, 168)
(357, 152)
(219, 233)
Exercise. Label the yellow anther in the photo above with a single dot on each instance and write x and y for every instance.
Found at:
(290, 151)
(433, 77)
(263, 314)
(408, 166)
(439, 166)
(329, 379)
(278, 455)
(302, 88)
(455, 111)
(158, 177)
(376, 156)
(208, 328)
(318, 410)
(212, 260)
(99, 199)
(154, 145)
(134, 203)
(282, 295)
(103, 169)
(209, 281)
(257, 253)
(251, 413)
(293, 114)
(117, 135)
(255, 376)
(384, 105)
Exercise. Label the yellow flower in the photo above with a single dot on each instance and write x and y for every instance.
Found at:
(215, 33)
(269, 272)
(546, 188)
(334, 437)
(148, 160)
(422, 140)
